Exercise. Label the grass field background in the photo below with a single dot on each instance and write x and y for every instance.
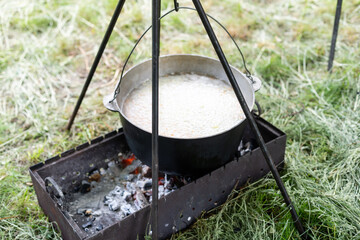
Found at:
(46, 50)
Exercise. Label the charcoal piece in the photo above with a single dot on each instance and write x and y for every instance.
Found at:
(127, 209)
(140, 184)
(127, 196)
(140, 200)
(147, 185)
(244, 151)
(95, 176)
(111, 164)
(99, 227)
(81, 211)
(92, 171)
(146, 171)
(105, 200)
(114, 206)
(77, 188)
(85, 186)
(102, 171)
(87, 225)
(170, 184)
(148, 193)
(88, 212)
(178, 182)
(97, 213)
(247, 147)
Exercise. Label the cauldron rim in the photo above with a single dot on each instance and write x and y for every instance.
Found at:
(133, 68)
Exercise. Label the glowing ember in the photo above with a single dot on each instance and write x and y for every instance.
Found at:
(128, 161)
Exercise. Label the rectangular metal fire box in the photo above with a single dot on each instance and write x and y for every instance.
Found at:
(177, 210)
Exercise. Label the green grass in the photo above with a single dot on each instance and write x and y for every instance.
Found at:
(46, 50)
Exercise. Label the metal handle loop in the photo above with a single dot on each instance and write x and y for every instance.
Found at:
(259, 109)
(247, 72)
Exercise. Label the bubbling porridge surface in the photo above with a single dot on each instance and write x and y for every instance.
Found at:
(190, 106)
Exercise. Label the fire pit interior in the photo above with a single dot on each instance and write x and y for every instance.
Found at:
(107, 195)
(99, 190)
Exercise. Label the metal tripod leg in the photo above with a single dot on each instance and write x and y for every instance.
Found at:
(249, 116)
(334, 35)
(156, 7)
(96, 61)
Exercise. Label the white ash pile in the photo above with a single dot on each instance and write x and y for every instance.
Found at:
(135, 187)
(116, 192)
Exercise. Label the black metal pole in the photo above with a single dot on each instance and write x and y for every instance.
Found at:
(334, 35)
(249, 116)
(96, 61)
(156, 7)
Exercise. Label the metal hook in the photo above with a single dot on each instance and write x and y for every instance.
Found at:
(176, 5)
(249, 76)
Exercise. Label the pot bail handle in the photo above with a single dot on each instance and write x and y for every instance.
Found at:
(254, 80)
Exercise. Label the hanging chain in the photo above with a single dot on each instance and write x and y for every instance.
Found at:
(177, 8)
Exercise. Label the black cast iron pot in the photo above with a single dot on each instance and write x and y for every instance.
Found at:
(183, 156)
